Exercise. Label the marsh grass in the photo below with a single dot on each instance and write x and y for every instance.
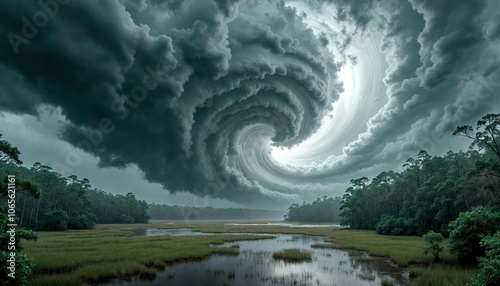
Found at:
(86, 257)
(93, 256)
(444, 275)
(326, 246)
(293, 255)
(405, 251)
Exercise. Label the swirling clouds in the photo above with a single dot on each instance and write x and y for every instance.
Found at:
(200, 94)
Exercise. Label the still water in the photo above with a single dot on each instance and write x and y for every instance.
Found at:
(255, 266)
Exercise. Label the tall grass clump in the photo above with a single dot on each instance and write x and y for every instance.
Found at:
(293, 255)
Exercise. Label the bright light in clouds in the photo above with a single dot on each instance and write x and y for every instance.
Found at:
(299, 153)
(362, 81)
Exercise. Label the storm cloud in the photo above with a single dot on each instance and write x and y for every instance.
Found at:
(262, 103)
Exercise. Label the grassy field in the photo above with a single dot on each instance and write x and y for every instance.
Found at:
(66, 258)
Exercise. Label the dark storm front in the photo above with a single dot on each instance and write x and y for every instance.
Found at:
(256, 266)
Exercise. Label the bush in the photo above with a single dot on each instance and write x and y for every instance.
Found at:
(433, 244)
(55, 220)
(489, 267)
(126, 219)
(390, 225)
(386, 224)
(82, 220)
(24, 266)
(467, 231)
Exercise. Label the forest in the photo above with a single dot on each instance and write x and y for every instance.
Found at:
(431, 191)
(60, 203)
(427, 195)
(321, 210)
(166, 212)
(454, 196)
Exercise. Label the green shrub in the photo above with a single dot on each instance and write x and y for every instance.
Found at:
(54, 220)
(82, 220)
(489, 267)
(126, 219)
(390, 225)
(467, 231)
(433, 242)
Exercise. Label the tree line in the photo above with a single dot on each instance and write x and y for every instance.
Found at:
(431, 191)
(166, 212)
(321, 210)
(46, 200)
(67, 202)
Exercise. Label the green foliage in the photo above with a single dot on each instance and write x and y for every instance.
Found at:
(23, 267)
(55, 220)
(11, 246)
(47, 201)
(110, 208)
(433, 242)
(467, 231)
(23, 264)
(386, 282)
(489, 273)
(432, 190)
(321, 210)
(83, 205)
(126, 219)
(390, 225)
(427, 195)
(486, 136)
(486, 139)
(82, 220)
(8, 153)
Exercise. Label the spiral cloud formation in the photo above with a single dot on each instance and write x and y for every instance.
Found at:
(259, 102)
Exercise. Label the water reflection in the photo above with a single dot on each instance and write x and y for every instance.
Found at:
(255, 266)
(180, 232)
(171, 232)
(287, 224)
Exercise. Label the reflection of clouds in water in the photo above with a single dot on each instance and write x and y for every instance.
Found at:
(255, 266)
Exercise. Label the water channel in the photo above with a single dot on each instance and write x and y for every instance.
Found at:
(256, 266)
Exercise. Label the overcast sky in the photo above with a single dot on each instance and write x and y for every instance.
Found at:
(242, 103)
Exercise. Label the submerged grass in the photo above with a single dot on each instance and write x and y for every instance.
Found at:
(293, 255)
(91, 256)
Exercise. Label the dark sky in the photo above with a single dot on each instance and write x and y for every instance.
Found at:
(242, 103)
